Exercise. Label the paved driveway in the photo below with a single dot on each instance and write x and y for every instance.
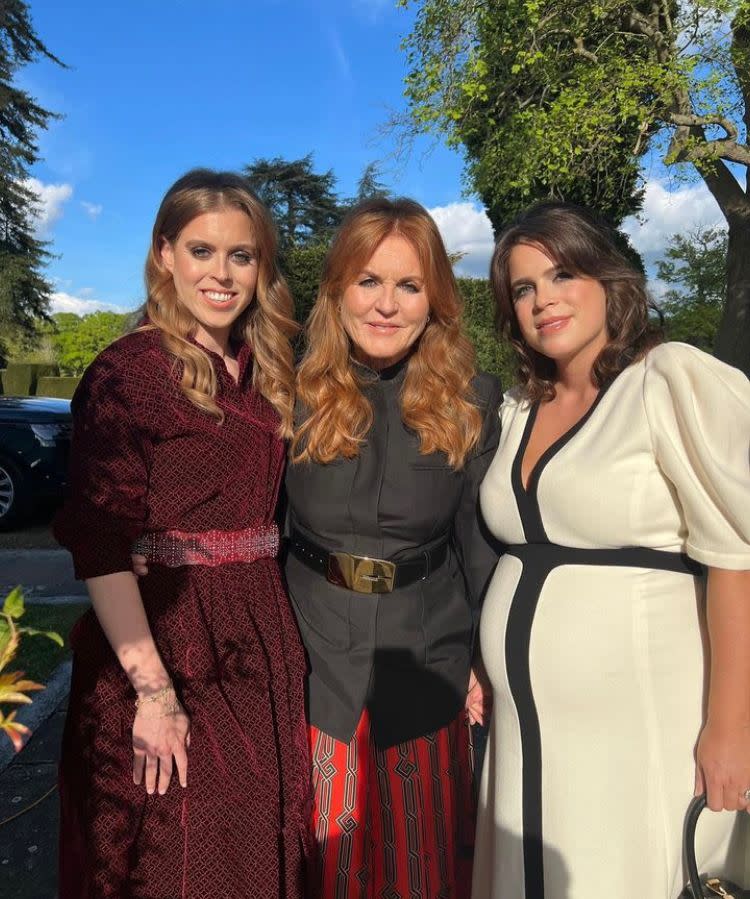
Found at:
(42, 573)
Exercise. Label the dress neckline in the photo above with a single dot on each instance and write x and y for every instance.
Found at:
(526, 498)
(554, 447)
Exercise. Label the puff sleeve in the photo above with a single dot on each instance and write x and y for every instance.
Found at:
(108, 473)
(698, 411)
(477, 550)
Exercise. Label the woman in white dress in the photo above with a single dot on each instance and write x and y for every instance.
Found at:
(621, 476)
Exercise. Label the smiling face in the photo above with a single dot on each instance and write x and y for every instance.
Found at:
(561, 315)
(386, 308)
(214, 264)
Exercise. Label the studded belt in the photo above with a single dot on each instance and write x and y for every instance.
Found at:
(177, 548)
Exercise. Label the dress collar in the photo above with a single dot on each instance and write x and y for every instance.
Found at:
(243, 354)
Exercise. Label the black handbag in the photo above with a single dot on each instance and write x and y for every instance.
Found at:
(704, 887)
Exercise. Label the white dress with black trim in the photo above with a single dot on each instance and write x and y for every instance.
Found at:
(593, 634)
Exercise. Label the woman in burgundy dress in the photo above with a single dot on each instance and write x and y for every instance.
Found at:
(185, 769)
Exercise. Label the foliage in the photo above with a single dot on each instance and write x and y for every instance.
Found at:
(39, 658)
(60, 387)
(76, 340)
(21, 378)
(561, 99)
(369, 185)
(303, 268)
(303, 202)
(13, 688)
(536, 118)
(24, 292)
(493, 354)
(694, 266)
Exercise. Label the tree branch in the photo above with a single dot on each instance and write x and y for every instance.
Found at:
(703, 121)
(580, 50)
(729, 150)
(725, 189)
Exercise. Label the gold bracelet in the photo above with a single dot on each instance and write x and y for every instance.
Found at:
(166, 699)
(166, 711)
(154, 697)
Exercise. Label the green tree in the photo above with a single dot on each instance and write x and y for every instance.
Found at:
(369, 185)
(694, 267)
(486, 74)
(24, 292)
(78, 340)
(562, 99)
(303, 202)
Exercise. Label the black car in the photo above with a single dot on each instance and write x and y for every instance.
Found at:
(34, 445)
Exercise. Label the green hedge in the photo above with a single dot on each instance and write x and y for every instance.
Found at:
(20, 378)
(493, 353)
(63, 387)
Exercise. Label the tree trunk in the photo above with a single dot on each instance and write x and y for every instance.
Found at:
(733, 340)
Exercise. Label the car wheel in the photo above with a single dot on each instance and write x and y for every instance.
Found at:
(13, 494)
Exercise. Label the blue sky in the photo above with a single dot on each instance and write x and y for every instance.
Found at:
(155, 88)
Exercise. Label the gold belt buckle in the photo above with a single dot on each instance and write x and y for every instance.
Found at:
(361, 574)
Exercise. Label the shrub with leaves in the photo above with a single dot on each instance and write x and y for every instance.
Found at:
(14, 689)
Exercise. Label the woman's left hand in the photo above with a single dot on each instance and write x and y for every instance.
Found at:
(722, 769)
(478, 697)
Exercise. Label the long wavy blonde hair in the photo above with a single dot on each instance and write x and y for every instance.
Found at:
(437, 401)
(267, 324)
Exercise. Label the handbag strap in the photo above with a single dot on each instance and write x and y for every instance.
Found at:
(697, 804)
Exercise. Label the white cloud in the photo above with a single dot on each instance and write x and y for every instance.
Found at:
(82, 305)
(52, 197)
(668, 212)
(339, 54)
(93, 210)
(466, 229)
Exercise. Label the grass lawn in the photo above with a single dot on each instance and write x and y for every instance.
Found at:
(38, 656)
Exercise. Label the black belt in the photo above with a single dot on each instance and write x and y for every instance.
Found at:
(363, 574)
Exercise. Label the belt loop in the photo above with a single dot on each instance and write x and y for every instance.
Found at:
(427, 572)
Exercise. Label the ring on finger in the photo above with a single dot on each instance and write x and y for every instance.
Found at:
(746, 795)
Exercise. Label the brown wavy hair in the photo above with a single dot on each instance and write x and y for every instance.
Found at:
(437, 401)
(582, 244)
(267, 324)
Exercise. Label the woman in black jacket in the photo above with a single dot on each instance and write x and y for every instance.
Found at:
(387, 557)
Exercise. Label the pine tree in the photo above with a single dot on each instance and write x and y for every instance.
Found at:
(24, 291)
(369, 185)
(303, 202)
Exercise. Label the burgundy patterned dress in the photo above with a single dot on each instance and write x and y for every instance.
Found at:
(146, 459)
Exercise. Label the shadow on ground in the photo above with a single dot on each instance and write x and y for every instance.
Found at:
(28, 843)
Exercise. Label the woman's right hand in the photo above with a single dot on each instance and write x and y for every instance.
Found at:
(161, 737)
(140, 568)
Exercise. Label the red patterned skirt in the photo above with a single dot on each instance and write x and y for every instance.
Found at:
(394, 823)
